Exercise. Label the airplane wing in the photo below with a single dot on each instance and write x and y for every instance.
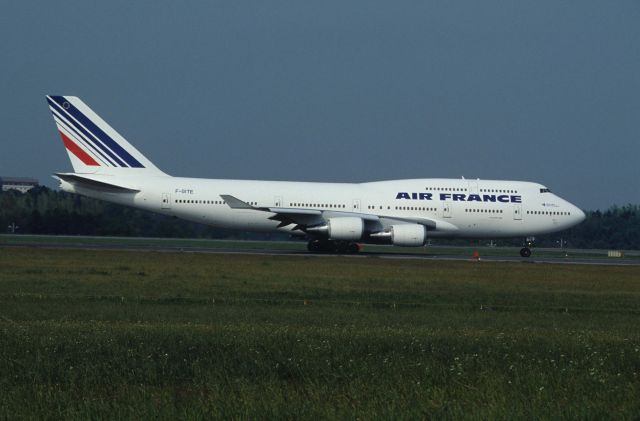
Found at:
(303, 218)
(300, 217)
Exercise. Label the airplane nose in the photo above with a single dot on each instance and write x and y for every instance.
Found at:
(580, 215)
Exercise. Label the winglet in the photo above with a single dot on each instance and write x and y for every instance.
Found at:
(235, 203)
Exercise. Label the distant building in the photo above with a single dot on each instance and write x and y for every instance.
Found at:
(22, 184)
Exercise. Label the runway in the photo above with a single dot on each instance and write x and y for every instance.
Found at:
(294, 249)
(435, 257)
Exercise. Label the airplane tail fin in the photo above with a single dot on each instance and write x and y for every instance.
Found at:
(92, 144)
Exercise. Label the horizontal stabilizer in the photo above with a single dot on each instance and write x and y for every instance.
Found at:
(94, 182)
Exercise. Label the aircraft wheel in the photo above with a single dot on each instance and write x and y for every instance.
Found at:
(525, 252)
(353, 248)
(342, 247)
(323, 246)
(328, 246)
(314, 246)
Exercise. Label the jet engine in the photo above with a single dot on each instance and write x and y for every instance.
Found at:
(345, 229)
(408, 235)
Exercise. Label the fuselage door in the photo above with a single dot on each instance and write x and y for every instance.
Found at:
(446, 209)
(166, 201)
(517, 212)
(277, 202)
(356, 205)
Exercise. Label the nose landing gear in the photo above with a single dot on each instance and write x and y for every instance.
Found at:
(526, 250)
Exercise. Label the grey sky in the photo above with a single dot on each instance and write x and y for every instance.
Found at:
(544, 91)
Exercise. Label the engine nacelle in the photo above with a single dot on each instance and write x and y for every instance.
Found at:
(346, 229)
(408, 235)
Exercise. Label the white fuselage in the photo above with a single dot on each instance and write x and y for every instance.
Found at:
(447, 207)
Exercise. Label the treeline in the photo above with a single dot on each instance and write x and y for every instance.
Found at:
(615, 228)
(46, 211)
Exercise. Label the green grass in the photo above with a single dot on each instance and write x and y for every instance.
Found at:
(95, 334)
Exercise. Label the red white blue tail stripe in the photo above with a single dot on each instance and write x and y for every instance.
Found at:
(85, 139)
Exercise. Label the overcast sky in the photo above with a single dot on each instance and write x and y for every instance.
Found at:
(545, 91)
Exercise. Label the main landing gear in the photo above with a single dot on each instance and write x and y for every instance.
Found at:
(526, 250)
(329, 246)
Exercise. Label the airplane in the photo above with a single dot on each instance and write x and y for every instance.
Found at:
(333, 217)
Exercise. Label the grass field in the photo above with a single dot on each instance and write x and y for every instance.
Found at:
(94, 334)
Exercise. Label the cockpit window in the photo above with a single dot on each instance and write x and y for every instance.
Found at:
(545, 190)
